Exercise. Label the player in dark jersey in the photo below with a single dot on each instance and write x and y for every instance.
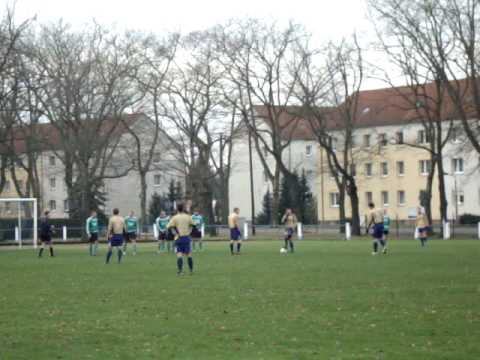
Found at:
(45, 232)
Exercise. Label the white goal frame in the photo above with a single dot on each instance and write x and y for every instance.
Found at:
(19, 201)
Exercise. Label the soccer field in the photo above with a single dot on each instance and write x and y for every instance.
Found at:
(329, 300)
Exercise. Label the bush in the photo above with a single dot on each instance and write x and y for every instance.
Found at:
(469, 219)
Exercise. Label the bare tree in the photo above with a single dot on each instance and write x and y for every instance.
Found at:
(80, 80)
(328, 89)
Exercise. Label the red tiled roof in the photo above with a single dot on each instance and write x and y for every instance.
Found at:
(379, 107)
(48, 136)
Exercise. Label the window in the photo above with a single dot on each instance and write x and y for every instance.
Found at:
(400, 168)
(52, 204)
(401, 198)
(353, 170)
(385, 198)
(157, 179)
(455, 135)
(332, 141)
(156, 158)
(368, 169)
(334, 199)
(457, 165)
(66, 207)
(53, 182)
(382, 139)
(52, 160)
(425, 167)
(308, 150)
(366, 140)
(399, 137)
(353, 141)
(369, 197)
(422, 137)
(384, 168)
(460, 197)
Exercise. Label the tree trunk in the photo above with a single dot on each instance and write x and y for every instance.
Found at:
(354, 203)
(341, 203)
(428, 204)
(276, 196)
(442, 190)
(143, 197)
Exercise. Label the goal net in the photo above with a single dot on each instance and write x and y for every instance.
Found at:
(18, 221)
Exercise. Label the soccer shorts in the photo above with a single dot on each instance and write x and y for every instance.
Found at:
(93, 237)
(170, 235)
(386, 231)
(47, 239)
(423, 229)
(235, 234)
(130, 236)
(289, 233)
(116, 240)
(196, 233)
(183, 245)
(162, 235)
(377, 231)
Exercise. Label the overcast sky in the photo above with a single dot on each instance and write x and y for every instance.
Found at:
(326, 20)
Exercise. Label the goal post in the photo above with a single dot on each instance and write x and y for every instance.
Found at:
(16, 212)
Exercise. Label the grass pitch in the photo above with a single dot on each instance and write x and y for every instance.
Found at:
(329, 300)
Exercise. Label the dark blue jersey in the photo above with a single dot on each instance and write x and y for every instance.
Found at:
(45, 228)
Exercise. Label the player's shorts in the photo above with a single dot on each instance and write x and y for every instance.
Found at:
(235, 234)
(377, 231)
(386, 231)
(47, 239)
(183, 245)
(424, 229)
(116, 240)
(93, 237)
(130, 236)
(162, 235)
(289, 233)
(196, 233)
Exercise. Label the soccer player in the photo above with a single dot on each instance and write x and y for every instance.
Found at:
(290, 221)
(115, 230)
(132, 229)
(386, 230)
(375, 219)
(161, 223)
(92, 232)
(198, 222)
(422, 224)
(235, 234)
(46, 231)
(182, 224)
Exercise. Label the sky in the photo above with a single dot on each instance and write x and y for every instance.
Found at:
(324, 19)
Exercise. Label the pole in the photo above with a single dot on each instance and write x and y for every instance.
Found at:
(64, 233)
(322, 185)
(252, 195)
(35, 232)
(348, 231)
(245, 231)
(300, 231)
(20, 224)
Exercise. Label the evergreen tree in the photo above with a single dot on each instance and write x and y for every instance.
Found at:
(157, 204)
(265, 217)
(178, 191)
(289, 195)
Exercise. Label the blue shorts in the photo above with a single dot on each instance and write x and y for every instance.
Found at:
(116, 240)
(196, 233)
(235, 234)
(289, 233)
(424, 229)
(377, 231)
(183, 245)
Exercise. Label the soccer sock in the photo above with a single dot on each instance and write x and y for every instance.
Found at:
(109, 255)
(190, 263)
(40, 252)
(194, 245)
(90, 249)
(180, 264)
(423, 241)
(200, 244)
(239, 245)
(231, 248)
(119, 254)
(286, 243)
(51, 251)
(124, 247)
(375, 246)
(134, 247)
(382, 242)
(95, 248)
(169, 246)
(291, 245)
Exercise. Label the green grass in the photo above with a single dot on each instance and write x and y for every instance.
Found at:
(329, 300)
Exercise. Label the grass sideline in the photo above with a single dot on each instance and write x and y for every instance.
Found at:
(329, 300)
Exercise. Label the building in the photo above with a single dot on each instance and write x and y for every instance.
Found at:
(51, 171)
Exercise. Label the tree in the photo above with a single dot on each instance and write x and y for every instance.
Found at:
(329, 86)
(157, 204)
(266, 216)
